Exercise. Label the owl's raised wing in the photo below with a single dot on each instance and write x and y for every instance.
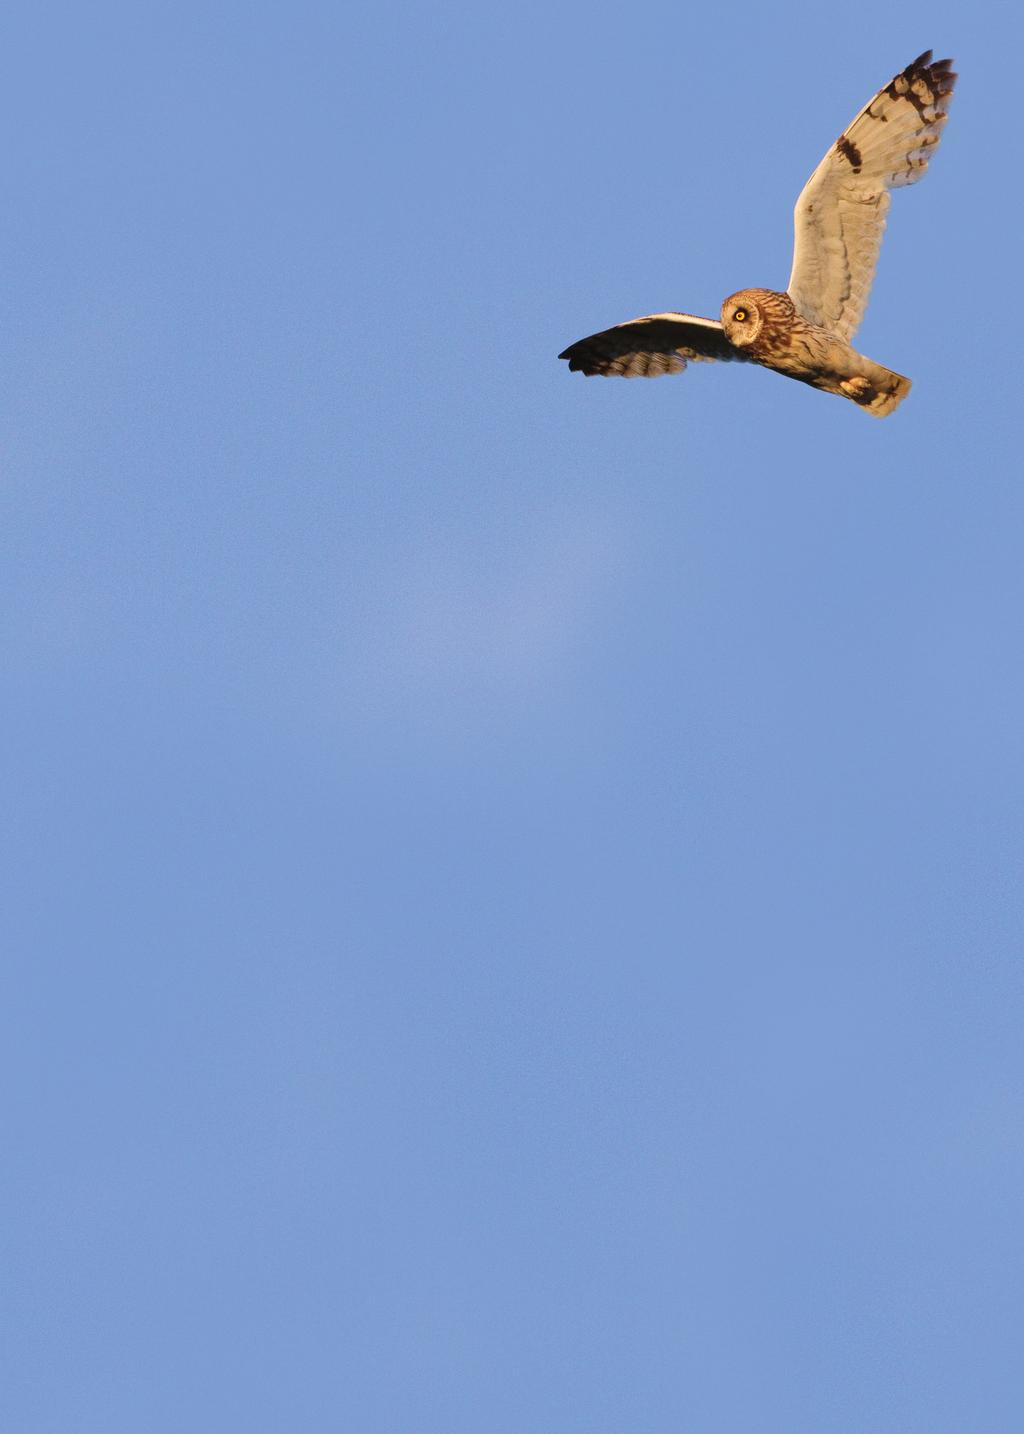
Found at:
(840, 216)
(651, 346)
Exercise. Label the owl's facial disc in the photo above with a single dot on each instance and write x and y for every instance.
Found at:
(740, 319)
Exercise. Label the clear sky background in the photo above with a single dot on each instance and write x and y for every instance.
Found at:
(513, 883)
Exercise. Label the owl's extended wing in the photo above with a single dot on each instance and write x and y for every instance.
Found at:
(840, 216)
(651, 346)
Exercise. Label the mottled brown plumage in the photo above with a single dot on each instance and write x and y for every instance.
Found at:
(839, 221)
(773, 334)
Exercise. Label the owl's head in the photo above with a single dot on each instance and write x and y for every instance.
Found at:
(742, 317)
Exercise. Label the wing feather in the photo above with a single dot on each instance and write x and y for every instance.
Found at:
(650, 346)
(840, 215)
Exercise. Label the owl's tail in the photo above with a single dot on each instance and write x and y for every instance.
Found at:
(878, 390)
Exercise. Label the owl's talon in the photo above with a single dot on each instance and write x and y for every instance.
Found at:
(858, 388)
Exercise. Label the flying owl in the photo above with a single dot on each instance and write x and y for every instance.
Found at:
(805, 333)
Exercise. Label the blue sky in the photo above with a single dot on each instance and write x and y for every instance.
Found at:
(512, 882)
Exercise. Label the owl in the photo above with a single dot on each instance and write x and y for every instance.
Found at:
(805, 333)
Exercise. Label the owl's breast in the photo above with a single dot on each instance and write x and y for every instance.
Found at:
(799, 349)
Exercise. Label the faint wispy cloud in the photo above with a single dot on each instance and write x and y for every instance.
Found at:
(442, 624)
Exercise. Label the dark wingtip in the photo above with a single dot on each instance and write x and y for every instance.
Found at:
(936, 75)
(577, 363)
(944, 76)
(936, 69)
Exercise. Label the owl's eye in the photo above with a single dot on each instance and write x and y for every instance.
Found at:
(740, 315)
